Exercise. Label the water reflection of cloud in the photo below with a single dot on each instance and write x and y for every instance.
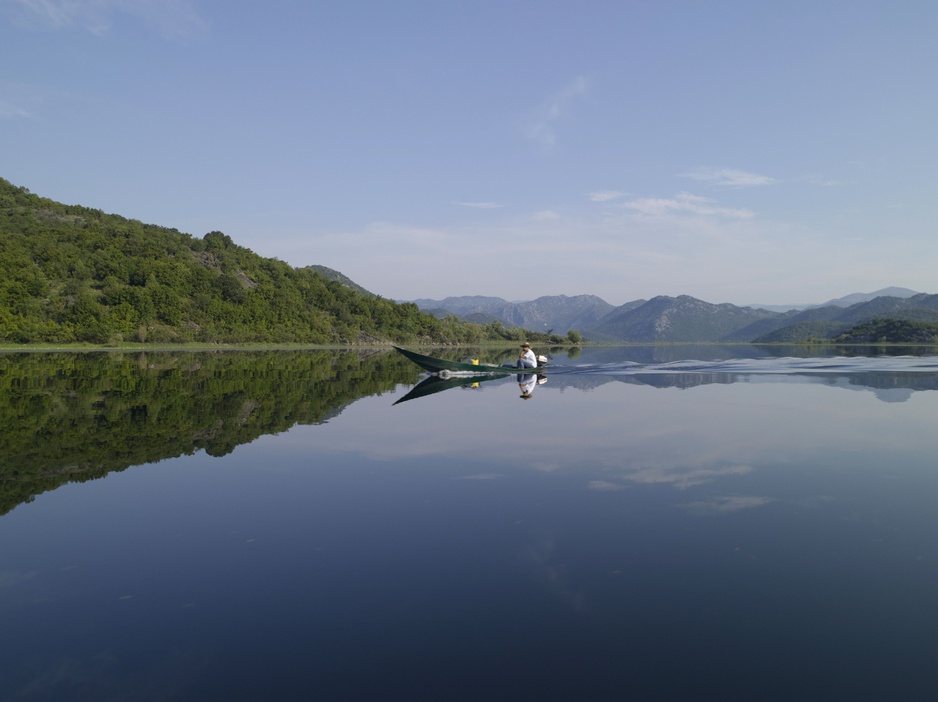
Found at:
(12, 578)
(554, 574)
(682, 477)
(621, 433)
(603, 486)
(725, 504)
(9, 581)
(108, 675)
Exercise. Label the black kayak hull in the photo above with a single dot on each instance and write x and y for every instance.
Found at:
(439, 365)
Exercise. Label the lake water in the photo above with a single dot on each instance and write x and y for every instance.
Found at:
(659, 523)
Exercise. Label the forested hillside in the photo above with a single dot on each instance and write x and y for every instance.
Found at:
(888, 331)
(73, 274)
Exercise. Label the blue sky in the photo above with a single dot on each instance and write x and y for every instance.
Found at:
(745, 152)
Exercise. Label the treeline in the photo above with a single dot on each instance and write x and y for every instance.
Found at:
(890, 331)
(74, 274)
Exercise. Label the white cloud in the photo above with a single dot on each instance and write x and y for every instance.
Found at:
(729, 177)
(540, 126)
(606, 195)
(635, 247)
(174, 19)
(479, 205)
(545, 216)
(685, 203)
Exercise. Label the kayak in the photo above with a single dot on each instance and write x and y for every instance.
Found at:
(439, 365)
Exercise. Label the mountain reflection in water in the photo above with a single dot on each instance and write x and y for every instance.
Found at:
(70, 417)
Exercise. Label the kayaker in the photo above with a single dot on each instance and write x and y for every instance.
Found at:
(527, 359)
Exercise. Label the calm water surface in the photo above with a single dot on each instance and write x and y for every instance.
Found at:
(653, 524)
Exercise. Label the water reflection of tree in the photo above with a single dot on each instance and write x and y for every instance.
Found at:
(78, 416)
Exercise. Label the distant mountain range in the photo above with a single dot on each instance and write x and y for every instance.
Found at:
(845, 301)
(687, 319)
(557, 312)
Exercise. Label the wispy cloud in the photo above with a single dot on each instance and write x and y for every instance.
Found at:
(682, 477)
(478, 205)
(685, 203)
(729, 177)
(817, 179)
(540, 127)
(12, 578)
(25, 101)
(606, 195)
(173, 19)
(726, 504)
(9, 110)
(546, 216)
(44, 12)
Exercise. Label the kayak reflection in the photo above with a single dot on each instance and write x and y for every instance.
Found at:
(436, 383)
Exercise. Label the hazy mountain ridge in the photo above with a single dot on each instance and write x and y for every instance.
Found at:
(845, 301)
(559, 313)
(687, 319)
(855, 298)
(682, 318)
(827, 322)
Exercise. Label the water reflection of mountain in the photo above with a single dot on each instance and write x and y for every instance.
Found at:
(891, 372)
(68, 417)
(669, 353)
(890, 387)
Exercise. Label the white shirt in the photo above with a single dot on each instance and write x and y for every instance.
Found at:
(529, 357)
